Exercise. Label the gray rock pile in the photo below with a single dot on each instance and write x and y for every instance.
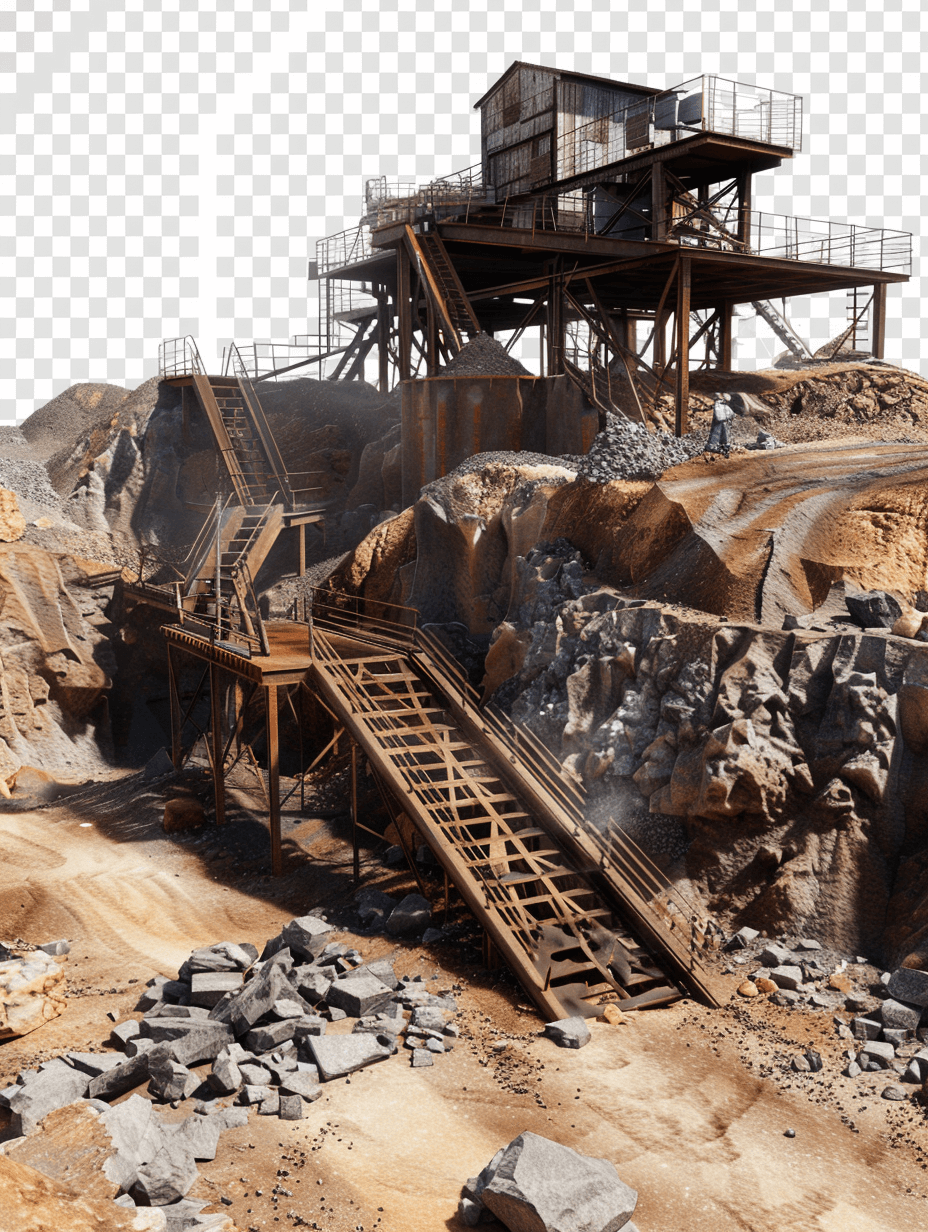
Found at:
(888, 1026)
(484, 356)
(29, 480)
(536, 1185)
(626, 450)
(234, 1032)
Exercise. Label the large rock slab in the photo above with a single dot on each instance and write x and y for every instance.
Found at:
(122, 1078)
(191, 1040)
(337, 1055)
(53, 1087)
(536, 1185)
(30, 993)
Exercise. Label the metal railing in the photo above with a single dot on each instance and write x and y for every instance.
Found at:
(830, 243)
(261, 359)
(343, 248)
(179, 357)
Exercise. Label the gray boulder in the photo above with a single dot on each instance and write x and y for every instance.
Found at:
(358, 995)
(168, 1175)
(53, 1087)
(568, 1032)
(873, 609)
(170, 1080)
(897, 1015)
(536, 1185)
(122, 1078)
(910, 985)
(412, 914)
(256, 999)
(192, 1040)
(306, 936)
(207, 988)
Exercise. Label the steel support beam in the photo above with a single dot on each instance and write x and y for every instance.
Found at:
(682, 325)
(218, 752)
(273, 778)
(878, 344)
(725, 312)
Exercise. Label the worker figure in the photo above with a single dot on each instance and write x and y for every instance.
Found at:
(722, 415)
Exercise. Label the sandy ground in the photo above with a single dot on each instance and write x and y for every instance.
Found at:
(690, 1105)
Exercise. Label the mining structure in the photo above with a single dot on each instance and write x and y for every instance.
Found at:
(601, 212)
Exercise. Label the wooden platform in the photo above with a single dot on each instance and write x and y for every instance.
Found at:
(288, 662)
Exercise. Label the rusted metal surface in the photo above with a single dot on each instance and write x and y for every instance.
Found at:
(447, 420)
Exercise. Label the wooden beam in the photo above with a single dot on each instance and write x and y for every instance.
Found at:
(878, 344)
(682, 398)
(273, 778)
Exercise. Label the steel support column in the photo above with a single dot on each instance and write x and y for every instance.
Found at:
(355, 853)
(725, 312)
(744, 207)
(403, 315)
(218, 752)
(273, 778)
(682, 329)
(878, 343)
(176, 718)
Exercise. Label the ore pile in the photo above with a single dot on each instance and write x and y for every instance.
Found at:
(484, 356)
(233, 1028)
(626, 450)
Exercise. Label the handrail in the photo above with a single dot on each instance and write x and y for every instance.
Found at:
(260, 425)
(179, 357)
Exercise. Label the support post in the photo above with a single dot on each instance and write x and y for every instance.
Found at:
(658, 202)
(273, 778)
(176, 719)
(383, 338)
(725, 312)
(301, 537)
(878, 343)
(215, 712)
(744, 207)
(355, 853)
(555, 323)
(682, 329)
(431, 339)
(403, 314)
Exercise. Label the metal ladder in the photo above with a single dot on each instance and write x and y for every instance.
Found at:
(782, 328)
(445, 289)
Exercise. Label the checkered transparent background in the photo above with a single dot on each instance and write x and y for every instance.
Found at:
(168, 166)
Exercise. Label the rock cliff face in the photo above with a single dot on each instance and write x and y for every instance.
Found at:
(55, 665)
(787, 764)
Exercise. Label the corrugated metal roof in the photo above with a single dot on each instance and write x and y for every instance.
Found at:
(559, 72)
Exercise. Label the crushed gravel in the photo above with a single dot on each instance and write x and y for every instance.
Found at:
(484, 356)
(625, 450)
(29, 480)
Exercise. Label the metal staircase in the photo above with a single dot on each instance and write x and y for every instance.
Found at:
(244, 438)
(446, 293)
(782, 328)
(573, 915)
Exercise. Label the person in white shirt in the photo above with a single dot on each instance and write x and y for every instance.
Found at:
(722, 414)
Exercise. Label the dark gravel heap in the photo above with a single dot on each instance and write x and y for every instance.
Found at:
(484, 356)
(626, 450)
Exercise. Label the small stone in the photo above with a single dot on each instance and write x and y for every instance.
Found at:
(743, 937)
(291, 1108)
(894, 1093)
(432, 935)
(879, 1052)
(56, 948)
(748, 989)
(789, 1133)
(853, 1070)
(121, 1034)
(788, 977)
(866, 1028)
(800, 1064)
(775, 956)
(358, 995)
(611, 1014)
(806, 943)
(764, 985)
(421, 1058)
